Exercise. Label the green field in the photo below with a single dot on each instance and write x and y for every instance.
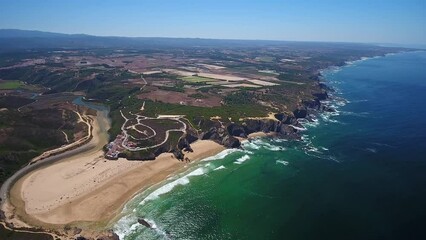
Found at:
(9, 85)
(196, 79)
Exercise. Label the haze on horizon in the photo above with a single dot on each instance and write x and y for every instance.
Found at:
(379, 21)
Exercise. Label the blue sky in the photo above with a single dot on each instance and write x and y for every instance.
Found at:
(384, 21)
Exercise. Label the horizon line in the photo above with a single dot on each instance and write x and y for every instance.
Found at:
(212, 38)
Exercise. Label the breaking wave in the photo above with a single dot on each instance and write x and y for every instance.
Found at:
(169, 186)
(222, 154)
(242, 159)
(219, 168)
(285, 163)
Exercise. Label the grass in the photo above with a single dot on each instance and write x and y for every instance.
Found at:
(196, 79)
(10, 85)
(235, 112)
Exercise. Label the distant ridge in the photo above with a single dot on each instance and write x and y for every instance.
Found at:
(17, 40)
(17, 33)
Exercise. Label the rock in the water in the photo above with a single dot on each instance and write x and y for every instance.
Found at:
(328, 109)
(144, 222)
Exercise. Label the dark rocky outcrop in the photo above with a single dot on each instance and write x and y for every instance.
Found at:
(186, 140)
(183, 144)
(231, 142)
(300, 112)
(281, 117)
(328, 109)
(144, 223)
(236, 130)
(267, 126)
(321, 96)
(312, 104)
(178, 154)
(326, 87)
(260, 125)
(288, 132)
(284, 125)
(223, 137)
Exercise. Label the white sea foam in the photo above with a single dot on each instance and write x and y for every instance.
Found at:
(279, 140)
(169, 186)
(222, 154)
(327, 118)
(242, 159)
(261, 143)
(157, 229)
(298, 128)
(196, 172)
(361, 114)
(313, 149)
(248, 152)
(125, 226)
(271, 147)
(285, 163)
(219, 168)
(251, 144)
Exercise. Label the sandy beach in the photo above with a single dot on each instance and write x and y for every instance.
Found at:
(87, 189)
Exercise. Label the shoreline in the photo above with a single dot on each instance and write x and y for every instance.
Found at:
(10, 209)
(87, 209)
(35, 204)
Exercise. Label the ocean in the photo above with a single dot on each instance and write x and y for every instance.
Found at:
(357, 173)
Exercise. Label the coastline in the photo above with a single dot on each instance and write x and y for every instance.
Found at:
(89, 208)
(106, 186)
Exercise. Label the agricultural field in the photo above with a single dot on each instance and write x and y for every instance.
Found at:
(11, 85)
(196, 79)
(193, 91)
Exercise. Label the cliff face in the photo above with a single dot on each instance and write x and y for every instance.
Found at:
(283, 126)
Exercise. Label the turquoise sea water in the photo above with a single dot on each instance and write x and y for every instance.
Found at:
(359, 173)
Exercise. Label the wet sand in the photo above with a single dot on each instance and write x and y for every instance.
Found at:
(88, 188)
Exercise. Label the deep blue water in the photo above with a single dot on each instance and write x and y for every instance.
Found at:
(359, 173)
